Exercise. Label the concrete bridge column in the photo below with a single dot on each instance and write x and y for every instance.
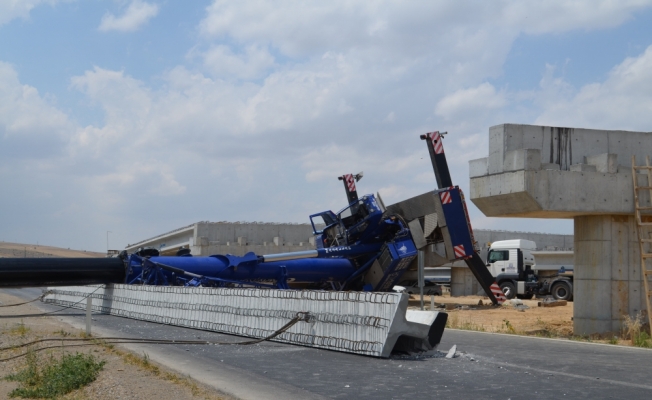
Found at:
(607, 281)
(584, 174)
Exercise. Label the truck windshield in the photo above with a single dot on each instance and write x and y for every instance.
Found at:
(498, 255)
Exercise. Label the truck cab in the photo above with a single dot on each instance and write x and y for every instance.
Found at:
(511, 262)
(506, 256)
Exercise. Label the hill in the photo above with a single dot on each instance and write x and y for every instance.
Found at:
(19, 250)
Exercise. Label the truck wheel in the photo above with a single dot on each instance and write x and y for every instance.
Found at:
(562, 291)
(508, 289)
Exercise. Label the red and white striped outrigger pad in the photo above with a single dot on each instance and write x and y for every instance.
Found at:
(350, 182)
(435, 137)
(498, 293)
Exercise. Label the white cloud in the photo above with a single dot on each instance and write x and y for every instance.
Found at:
(124, 98)
(30, 127)
(466, 114)
(153, 177)
(622, 101)
(12, 9)
(136, 15)
(275, 100)
(478, 99)
(471, 30)
(542, 16)
(356, 54)
(223, 63)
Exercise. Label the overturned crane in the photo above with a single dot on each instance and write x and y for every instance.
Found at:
(366, 247)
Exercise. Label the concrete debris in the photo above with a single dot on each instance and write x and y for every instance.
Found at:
(521, 307)
(451, 352)
(419, 356)
(466, 356)
(516, 302)
(554, 303)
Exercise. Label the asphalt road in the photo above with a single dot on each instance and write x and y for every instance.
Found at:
(489, 366)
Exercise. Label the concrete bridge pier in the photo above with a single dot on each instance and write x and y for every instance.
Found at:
(607, 282)
(584, 174)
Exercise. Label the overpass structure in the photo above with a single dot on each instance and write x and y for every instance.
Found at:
(583, 174)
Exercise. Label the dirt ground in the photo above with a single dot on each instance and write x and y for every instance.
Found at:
(9, 250)
(506, 318)
(551, 322)
(125, 375)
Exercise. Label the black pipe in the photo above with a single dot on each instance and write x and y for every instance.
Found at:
(34, 272)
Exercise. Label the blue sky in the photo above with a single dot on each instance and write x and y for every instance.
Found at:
(138, 117)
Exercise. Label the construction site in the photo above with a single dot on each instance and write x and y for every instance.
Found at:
(394, 283)
(325, 200)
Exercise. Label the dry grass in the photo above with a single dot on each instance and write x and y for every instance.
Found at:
(633, 331)
(454, 322)
(19, 329)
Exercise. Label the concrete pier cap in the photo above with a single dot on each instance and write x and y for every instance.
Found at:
(584, 174)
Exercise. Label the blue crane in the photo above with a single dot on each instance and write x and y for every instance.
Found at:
(365, 246)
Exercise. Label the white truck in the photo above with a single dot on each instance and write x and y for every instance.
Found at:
(513, 265)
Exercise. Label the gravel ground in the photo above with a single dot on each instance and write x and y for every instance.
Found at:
(125, 375)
